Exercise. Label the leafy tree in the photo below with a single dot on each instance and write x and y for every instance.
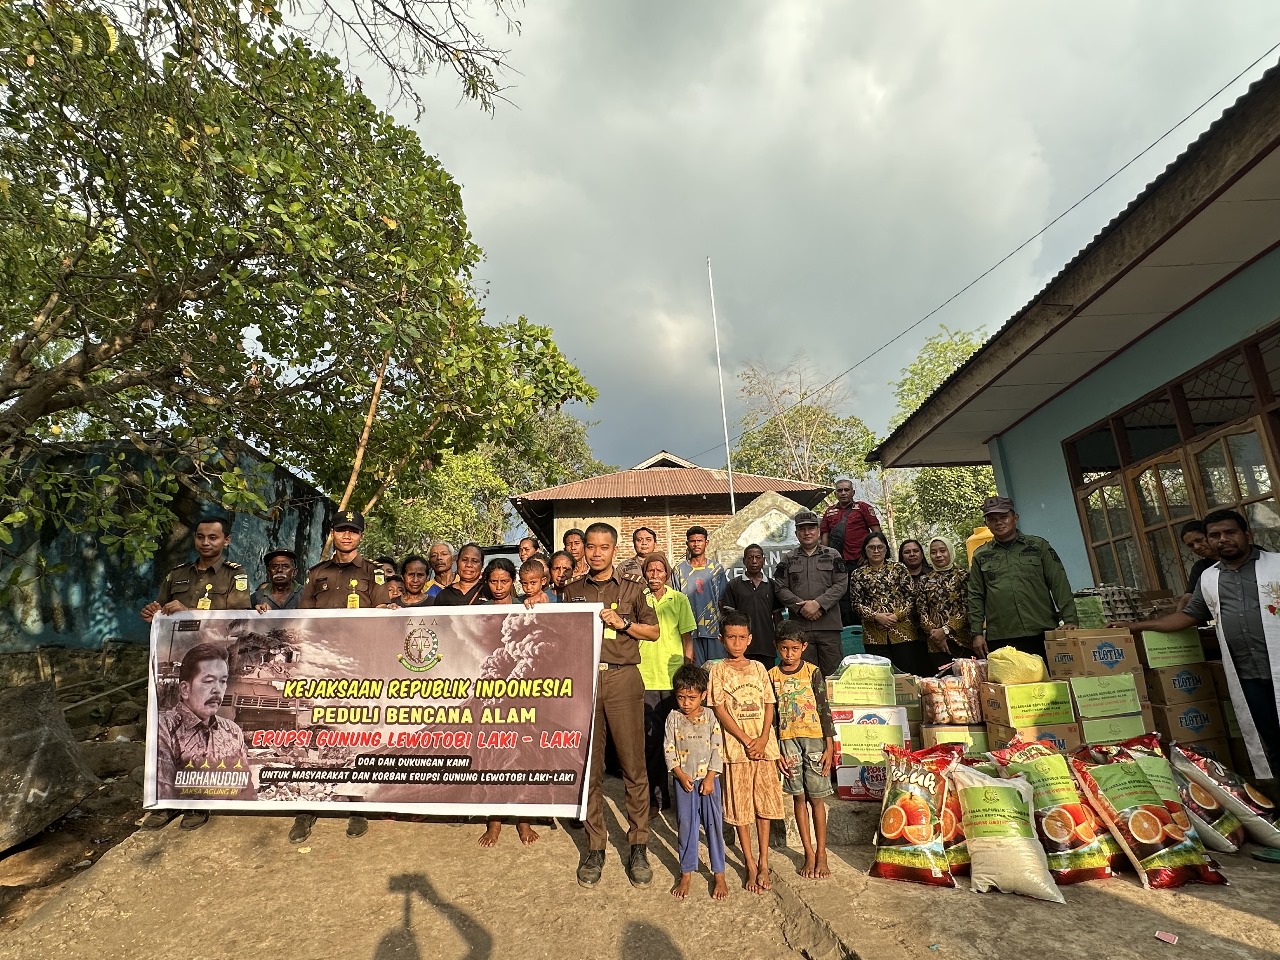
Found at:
(466, 497)
(209, 240)
(795, 429)
(938, 501)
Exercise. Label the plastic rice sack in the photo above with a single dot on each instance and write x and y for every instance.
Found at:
(1004, 853)
(1066, 825)
(1124, 798)
(1219, 828)
(1253, 807)
(1011, 665)
(909, 837)
(951, 822)
(1145, 750)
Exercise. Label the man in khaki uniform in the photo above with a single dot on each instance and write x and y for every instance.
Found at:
(628, 619)
(346, 581)
(210, 582)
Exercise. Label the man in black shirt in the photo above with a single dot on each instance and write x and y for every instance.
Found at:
(752, 593)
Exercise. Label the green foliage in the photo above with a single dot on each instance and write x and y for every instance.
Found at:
(792, 429)
(466, 497)
(938, 501)
(209, 240)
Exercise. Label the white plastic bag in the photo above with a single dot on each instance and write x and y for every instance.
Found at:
(1004, 853)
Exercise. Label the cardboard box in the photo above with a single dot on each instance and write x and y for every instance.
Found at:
(1027, 704)
(864, 783)
(906, 689)
(1219, 674)
(1182, 684)
(1240, 761)
(1090, 653)
(1219, 748)
(1190, 722)
(1229, 717)
(861, 684)
(973, 737)
(1170, 649)
(1114, 729)
(862, 733)
(1063, 737)
(1095, 696)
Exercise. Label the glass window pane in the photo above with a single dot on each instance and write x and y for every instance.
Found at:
(1108, 572)
(1252, 473)
(1117, 510)
(1168, 561)
(1148, 486)
(1264, 522)
(1219, 394)
(1151, 428)
(1214, 477)
(1093, 509)
(1176, 498)
(1270, 349)
(1096, 452)
(1130, 565)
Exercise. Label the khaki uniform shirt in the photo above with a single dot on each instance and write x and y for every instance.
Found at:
(629, 597)
(817, 576)
(226, 585)
(329, 583)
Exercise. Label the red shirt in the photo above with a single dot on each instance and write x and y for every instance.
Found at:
(860, 519)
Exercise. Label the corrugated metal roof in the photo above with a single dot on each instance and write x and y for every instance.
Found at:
(1192, 149)
(667, 482)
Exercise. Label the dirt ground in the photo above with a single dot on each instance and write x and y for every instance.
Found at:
(237, 888)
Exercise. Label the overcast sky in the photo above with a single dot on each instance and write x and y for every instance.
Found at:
(847, 166)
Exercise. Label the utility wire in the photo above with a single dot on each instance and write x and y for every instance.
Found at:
(1012, 253)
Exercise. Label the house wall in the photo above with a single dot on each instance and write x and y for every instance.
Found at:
(1029, 463)
(669, 516)
(98, 596)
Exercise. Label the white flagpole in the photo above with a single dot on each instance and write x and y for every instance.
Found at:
(724, 413)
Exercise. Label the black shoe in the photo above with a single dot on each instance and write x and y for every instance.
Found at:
(357, 827)
(301, 828)
(638, 871)
(590, 868)
(158, 819)
(194, 819)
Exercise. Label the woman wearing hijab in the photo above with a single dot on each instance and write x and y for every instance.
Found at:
(942, 606)
(883, 594)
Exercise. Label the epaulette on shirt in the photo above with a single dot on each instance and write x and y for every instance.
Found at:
(634, 579)
(233, 565)
(578, 579)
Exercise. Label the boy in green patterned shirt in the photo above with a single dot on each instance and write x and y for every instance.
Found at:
(806, 736)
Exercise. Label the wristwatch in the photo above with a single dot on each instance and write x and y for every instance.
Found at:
(626, 624)
(946, 630)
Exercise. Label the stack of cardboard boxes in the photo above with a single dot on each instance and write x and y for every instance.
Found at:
(1185, 695)
(1096, 694)
(863, 699)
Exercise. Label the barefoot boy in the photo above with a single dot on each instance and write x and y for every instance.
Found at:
(806, 736)
(742, 697)
(693, 745)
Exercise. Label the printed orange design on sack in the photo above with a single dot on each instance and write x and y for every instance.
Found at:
(909, 842)
(1137, 817)
(1254, 808)
(1065, 824)
(1175, 821)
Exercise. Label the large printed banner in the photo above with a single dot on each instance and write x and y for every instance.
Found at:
(457, 711)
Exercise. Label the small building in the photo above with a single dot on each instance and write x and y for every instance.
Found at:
(666, 493)
(1140, 388)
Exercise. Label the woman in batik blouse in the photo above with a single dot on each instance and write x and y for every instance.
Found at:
(942, 606)
(883, 594)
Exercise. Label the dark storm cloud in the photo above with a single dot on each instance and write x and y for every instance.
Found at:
(848, 166)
